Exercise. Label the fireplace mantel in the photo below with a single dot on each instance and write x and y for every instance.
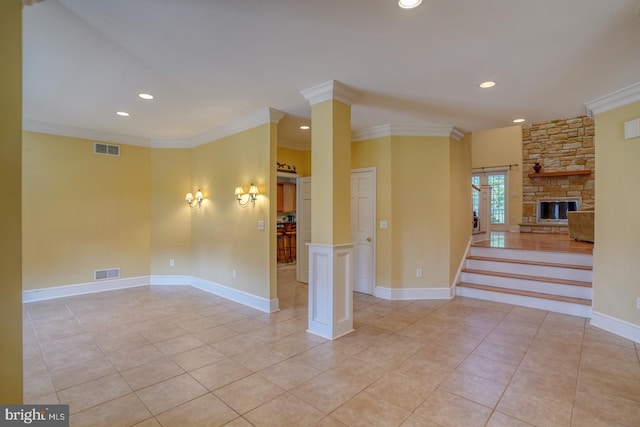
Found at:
(560, 173)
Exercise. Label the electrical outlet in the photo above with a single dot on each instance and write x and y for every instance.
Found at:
(234, 274)
(172, 262)
(638, 303)
(419, 272)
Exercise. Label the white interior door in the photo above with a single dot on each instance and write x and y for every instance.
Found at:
(363, 229)
(303, 228)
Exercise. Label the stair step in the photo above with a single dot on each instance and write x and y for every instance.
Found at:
(580, 301)
(515, 261)
(525, 277)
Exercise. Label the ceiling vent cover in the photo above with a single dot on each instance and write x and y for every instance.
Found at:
(106, 149)
(108, 274)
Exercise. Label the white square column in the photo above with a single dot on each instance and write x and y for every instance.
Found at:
(330, 290)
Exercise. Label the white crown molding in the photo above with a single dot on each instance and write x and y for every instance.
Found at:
(401, 130)
(170, 143)
(30, 2)
(613, 100)
(332, 89)
(74, 132)
(260, 117)
(294, 145)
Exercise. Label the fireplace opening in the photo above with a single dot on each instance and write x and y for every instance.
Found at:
(555, 210)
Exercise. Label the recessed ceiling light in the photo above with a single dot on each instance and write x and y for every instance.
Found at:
(145, 96)
(123, 113)
(409, 4)
(518, 120)
(487, 85)
(305, 127)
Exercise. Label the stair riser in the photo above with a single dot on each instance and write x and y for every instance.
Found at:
(542, 304)
(531, 270)
(535, 256)
(582, 292)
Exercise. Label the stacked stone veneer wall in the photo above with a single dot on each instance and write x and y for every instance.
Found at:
(558, 145)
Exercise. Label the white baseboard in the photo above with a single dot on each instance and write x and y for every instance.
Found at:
(170, 280)
(245, 298)
(616, 326)
(42, 294)
(413, 293)
(253, 301)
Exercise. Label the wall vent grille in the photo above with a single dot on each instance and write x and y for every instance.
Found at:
(107, 274)
(106, 149)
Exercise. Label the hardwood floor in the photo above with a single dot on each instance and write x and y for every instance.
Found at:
(536, 242)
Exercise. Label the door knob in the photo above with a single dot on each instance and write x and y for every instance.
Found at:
(369, 239)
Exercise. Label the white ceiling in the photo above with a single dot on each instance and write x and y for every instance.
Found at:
(209, 62)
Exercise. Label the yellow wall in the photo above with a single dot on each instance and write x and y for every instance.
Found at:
(83, 211)
(502, 146)
(617, 228)
(10, 212)
(225, 237)
(461, 208)
(420, 208)
(377, 153)
(169, 212)
(300, 159)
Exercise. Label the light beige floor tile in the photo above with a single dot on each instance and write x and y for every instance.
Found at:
(93, 393)
(551, 385)
(326, 391)
(284, 410)
(170, 393)
(247, 324)
(403, 390)
(220, 373)
(593, 398)
(488, 369)
(179, 344)
(498, 419)
(473, 387)
(199, 324)
(417, 421)
(121, 412)
(162, 332)
(36, 386)
(500, 353)
(447, 409)
(258, 357)
(329, 421)
(612, 351)
(292, 345)
(125, 341)
(586, 418)
(234, 345)
(149, 422)
(81, 373)
(366, 410)
(206, 410)
(248, 393)
(214, 334)
(289, 373)
(239, 422)
(127, 359)
(535, 409)
(79, 354)
(197, 358)
(151, 373)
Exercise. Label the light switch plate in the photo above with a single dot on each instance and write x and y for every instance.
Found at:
(384, 225)
(261, 225)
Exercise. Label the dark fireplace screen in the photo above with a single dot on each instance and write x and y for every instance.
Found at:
(555, 210)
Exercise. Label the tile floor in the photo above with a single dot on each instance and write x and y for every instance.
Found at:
(176, 356)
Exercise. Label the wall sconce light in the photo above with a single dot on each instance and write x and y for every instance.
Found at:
(251, 197)
(193, 202)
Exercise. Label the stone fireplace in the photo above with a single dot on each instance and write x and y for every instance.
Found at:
(565, 150)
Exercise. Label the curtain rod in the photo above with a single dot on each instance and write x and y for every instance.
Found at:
(495, 167)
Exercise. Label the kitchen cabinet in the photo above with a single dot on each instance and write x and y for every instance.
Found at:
(286, 200)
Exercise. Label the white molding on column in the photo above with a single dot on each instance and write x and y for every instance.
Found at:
(332, 89)
(413, 293)
(32, 295)
(613, 100)
(616, 326)
(330, 290)
(457, 133)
